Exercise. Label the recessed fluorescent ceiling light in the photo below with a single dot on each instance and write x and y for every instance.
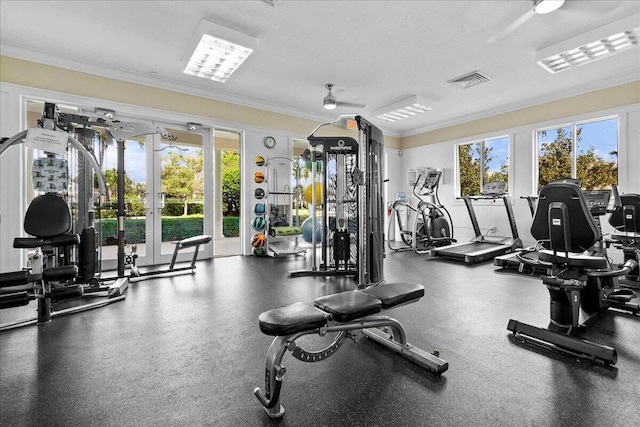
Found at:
(615, 41)
(404, 109)
(218, 51)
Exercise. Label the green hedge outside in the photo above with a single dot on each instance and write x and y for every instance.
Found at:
(231, 226)
(173, 228)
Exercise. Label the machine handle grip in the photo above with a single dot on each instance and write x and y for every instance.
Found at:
(629, 265)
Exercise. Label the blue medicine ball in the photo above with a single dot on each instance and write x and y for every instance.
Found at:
(259, 209)
(307, 229)
(259, 223)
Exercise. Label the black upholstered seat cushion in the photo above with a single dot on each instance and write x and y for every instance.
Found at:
(48, 215)
(392, 294)
(64, 272)
(290, 319)
(574, 259)
(346, 306)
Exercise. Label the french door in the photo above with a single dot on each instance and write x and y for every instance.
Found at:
(167, 195)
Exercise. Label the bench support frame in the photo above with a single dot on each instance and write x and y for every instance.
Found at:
(397, 342)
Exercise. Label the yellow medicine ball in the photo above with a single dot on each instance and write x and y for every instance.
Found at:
(260, 161)
(308, 196)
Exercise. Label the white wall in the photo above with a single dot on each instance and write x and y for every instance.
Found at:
(521, 171)
(12, 204)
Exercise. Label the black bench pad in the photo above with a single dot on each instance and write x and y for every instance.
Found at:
(291, 319)
(62, 272)
(392, 294)
(14, 278)
(15, 299)
(346, 306)
(194, 241)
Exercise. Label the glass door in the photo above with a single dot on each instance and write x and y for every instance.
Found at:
(135, 192)
(177, 202)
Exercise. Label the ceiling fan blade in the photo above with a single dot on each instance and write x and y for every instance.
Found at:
(512, 27)
(349, 104)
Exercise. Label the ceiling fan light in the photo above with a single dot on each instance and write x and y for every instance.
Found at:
(546, 6)
(330, 102)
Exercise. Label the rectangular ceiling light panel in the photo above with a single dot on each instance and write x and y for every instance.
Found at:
(577, 51)
(403, 109)
(217, 51)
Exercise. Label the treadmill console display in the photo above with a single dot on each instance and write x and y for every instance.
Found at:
(597, 201)
(495, 188)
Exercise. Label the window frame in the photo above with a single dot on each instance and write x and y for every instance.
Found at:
(482, 141)
(574, 147)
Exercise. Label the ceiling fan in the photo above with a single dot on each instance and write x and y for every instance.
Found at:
(540, 7)
(330, 102)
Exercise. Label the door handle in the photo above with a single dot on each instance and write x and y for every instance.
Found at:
(162, 199)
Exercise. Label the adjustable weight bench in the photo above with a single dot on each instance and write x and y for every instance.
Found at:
(341, 313)
(189, 242)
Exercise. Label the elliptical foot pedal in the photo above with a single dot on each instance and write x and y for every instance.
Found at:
(621, 295)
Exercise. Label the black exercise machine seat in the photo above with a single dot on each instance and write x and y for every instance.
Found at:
(341, 307)
(578, 260)
(568, 224)
(48, 219)
(47, 216)
(626, 217)
(291, 319)
(347, 306)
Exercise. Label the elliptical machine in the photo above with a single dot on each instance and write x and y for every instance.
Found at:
(430, 222)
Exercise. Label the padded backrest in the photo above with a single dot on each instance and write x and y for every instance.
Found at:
(47, 216)
(570, 218)
(627, 216)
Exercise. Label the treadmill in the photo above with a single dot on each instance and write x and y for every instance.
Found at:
(513, 260)
(483, 248)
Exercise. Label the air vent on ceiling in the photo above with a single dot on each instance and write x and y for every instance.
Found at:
(468, 80)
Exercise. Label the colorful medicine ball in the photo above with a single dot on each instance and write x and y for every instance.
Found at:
(259, 223)
(258, 240)
(259, 209)
(258, 177)
(259, 193)
(260, 161)
(308, 193)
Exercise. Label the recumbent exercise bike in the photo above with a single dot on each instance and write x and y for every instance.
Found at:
(581, 282)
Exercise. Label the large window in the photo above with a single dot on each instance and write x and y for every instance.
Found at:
(480, 162)
(587, 151)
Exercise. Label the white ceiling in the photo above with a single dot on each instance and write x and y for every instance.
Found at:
(375, 52)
